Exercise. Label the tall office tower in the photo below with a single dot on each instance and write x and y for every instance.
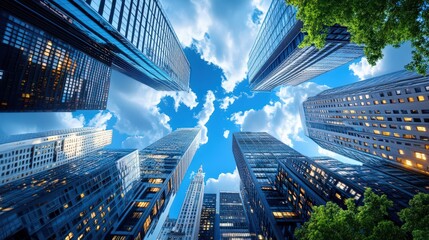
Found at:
(208, 217)
(233, 220)
(257, 155)
(81, 199)
(306, 182)
(162, 165)
(27, 154)
(188, 223)
(57, 55)
(275, 58)
(380, 120)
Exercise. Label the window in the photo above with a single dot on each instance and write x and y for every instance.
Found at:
(408, 119)
(410, 99)
(420, 155)
(400, 151)
(421, 129)
(420, 98)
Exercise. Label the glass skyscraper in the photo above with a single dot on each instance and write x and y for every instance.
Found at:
(26, 154)
(257, 157)
(275, 58)
(380, 120)
(233, 221)
(162, 166)
(81, 199)
(208, 217)
(58, 55)
(188, 223)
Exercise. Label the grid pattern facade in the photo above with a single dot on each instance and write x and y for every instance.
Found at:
(257, 157)
(39, 72)
(188, 223)
(379, 120)
(27, 154)
(233, 220)
(275, 58)
(78, 200)
(208, 217)
(162, 166)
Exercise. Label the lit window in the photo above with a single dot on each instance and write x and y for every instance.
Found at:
(410, 99)
(401, 151)
(421, 98)
(396, 135)
(379, 118)
(386, 133)
(408, 128)
(421, 129)
(408, 119)
(408, 162)
(383, 101)
(376, 131)
(420, 155)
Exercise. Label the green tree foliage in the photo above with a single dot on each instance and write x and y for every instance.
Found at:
(416, 217)
(374, 23)
(367, 222)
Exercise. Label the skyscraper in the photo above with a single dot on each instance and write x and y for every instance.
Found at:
(233, 220)
(162, 166)
(208, 217)
(380, 120)
(81, 199)
(27, 154)
(58, 55)
(306, 182)
(257, 157)
(275, 58)
(188, 223)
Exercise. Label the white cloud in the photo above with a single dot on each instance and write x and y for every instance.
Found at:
(336, 156)
(226, 133)
(100, 120)
(221, 31)
(204, 115)
(226, 182)
(20, 123)
(281, 119)
(394, 59)
(135, 107)
(225, 102)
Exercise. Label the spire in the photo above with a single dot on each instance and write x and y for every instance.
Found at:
(200, 170)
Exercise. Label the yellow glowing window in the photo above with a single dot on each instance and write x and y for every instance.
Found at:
(284, 214)
(338, 196)
(421, 129)
(379, 118)
(367, 124)
(420, 155)
(352, 111)
(384, 155)
(401, 151)
(376, 131)
(410, 99)
(386, 133)
(401, 100)
(376, 102)
(82, 195)
(408, 128)
(154, 189)
(408, 119)
(383, 125)
(419, 165)
(142, 204)
(421, 98)
(383, 101)
(93, 215)
(156, 180)
(408, 162)
(396, 135)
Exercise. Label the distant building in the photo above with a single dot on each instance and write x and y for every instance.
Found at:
(81, 199)
(275, 58)
(58, 55)
(163, 165)
(257, 156)
(26, 154)
(188, 223)
(377, 121)
(208, 217)
(233, 223)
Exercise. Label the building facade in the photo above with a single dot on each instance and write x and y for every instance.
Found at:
(377, 121)
(275, 58)
(81, 199)
(257, 157)
(163, 165)
(26, 154)
(188, 223)
(208, 217)
(233, 222)
(58, 55)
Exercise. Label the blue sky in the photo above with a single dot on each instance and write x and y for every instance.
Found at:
(217, 37)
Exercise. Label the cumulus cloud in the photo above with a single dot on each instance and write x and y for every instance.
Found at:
(20, 123)
(281, 119)
(394, 59)
(221, 31)
(100, 120)
(204, 116)
(225, 102)
(225, 182)
(226, 133)
(135, 107)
